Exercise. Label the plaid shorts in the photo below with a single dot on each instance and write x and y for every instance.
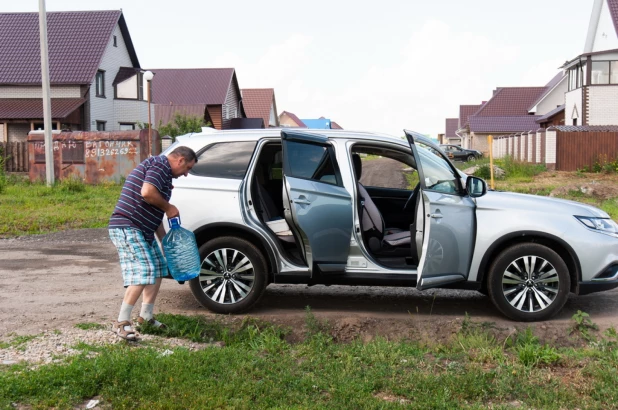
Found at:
(141, 263)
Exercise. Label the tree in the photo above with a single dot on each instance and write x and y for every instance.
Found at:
(182, 124)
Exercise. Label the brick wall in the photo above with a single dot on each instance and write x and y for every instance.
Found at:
(603, 105)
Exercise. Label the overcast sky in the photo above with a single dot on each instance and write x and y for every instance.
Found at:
(369, 65)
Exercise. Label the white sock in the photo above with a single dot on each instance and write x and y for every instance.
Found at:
(147, 311)
(125, 312)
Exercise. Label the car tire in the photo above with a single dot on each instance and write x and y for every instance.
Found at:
(528, 282)
(470, 158)
(234, 275)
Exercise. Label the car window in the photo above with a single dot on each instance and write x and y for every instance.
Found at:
(385, 172)
(311, 161)
(437, 172)
(224, 160)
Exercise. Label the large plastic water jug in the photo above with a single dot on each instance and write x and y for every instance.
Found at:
(183, 258)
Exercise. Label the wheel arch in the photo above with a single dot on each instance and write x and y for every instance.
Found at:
(215, 230)
(553, 242)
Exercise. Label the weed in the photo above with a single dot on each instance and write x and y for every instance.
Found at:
(583, 325)
(90, 326)
(533, 354)
(72, 185)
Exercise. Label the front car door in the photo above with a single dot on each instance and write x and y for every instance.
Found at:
(316, 205)
(449, 220)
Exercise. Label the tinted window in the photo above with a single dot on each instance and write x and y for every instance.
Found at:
(436, 170)
(225, 160)
(310, 161)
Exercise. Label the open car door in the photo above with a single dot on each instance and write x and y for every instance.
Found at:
(447, 227)
(317, 207)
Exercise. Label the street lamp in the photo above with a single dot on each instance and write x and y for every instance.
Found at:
(148, 75)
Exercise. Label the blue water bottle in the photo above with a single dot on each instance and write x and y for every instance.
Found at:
(183, 258)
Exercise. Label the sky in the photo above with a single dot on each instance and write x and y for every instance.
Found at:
(378, 66)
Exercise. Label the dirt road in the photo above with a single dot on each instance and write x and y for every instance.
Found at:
(55, 281)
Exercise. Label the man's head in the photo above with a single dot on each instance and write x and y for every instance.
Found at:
(181, 161)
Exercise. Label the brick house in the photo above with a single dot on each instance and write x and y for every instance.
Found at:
(211, 93)
(95, 76)
(592, 95)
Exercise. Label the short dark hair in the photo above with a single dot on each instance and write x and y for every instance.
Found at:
(187, 153)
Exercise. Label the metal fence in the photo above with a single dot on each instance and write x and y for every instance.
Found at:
(15, 156)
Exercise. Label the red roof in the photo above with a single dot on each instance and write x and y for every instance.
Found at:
(522, 123)
(335, 126)
(451, 127)
(186, 86)
(613, 10)
(77, 41)
(258, 102)
(465, 111)
(294, 118)
(510, 101)
(28, 108)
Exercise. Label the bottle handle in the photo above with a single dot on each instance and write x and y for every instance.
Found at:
(172, 220)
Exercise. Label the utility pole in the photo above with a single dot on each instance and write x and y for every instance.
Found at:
(49, 148)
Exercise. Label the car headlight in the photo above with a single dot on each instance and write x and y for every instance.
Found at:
(602, 225)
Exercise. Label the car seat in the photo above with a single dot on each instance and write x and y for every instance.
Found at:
(371, 220)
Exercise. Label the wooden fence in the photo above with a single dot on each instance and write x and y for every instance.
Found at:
(15, 155)
(561, 150)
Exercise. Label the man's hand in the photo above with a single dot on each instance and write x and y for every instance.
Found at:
(171, 211)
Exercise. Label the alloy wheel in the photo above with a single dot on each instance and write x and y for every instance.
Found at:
(227, 276)
(530, 283)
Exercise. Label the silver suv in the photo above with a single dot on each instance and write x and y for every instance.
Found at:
(355, 208)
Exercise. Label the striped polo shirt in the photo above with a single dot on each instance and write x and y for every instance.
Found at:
(131, 210)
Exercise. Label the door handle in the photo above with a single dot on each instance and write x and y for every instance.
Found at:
(301, 200)
(436, 216)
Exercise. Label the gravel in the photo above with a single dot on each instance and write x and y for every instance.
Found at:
(52, 346)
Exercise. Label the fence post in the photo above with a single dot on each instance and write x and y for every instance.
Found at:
(551, 137)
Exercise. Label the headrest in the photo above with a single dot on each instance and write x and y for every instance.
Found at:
(358, 165)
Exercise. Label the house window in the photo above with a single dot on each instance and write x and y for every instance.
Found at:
(613, 72)
(115, 42)
(140, 86)
(101, 125)
(127, 126)
(600, 72)
(100, 83)
(574, 121)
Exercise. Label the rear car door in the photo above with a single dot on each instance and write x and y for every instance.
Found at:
(448, 226)
(317, 207)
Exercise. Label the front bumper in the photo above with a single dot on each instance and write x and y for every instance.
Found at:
(607, 279)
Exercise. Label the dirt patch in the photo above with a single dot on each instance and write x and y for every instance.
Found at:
(58, 280)
(598, 190)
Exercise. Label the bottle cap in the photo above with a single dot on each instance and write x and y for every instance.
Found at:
(174, 222)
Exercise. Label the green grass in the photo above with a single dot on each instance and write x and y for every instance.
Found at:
(33, 208)
(90, 326)
(258, 368)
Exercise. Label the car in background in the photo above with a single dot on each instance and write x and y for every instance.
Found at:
(457, 153)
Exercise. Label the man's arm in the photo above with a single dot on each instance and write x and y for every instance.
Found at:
(151, 195)
(160, 232)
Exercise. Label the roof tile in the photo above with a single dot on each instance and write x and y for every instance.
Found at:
(451, 127)
(76, 43)
(522, 123)
(257, 103)
(510, 101)
(191, 86)
(465, 111)
(613, 10)
(28, 108)
(550, 114)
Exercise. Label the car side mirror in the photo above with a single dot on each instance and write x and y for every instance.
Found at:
(476, 187)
